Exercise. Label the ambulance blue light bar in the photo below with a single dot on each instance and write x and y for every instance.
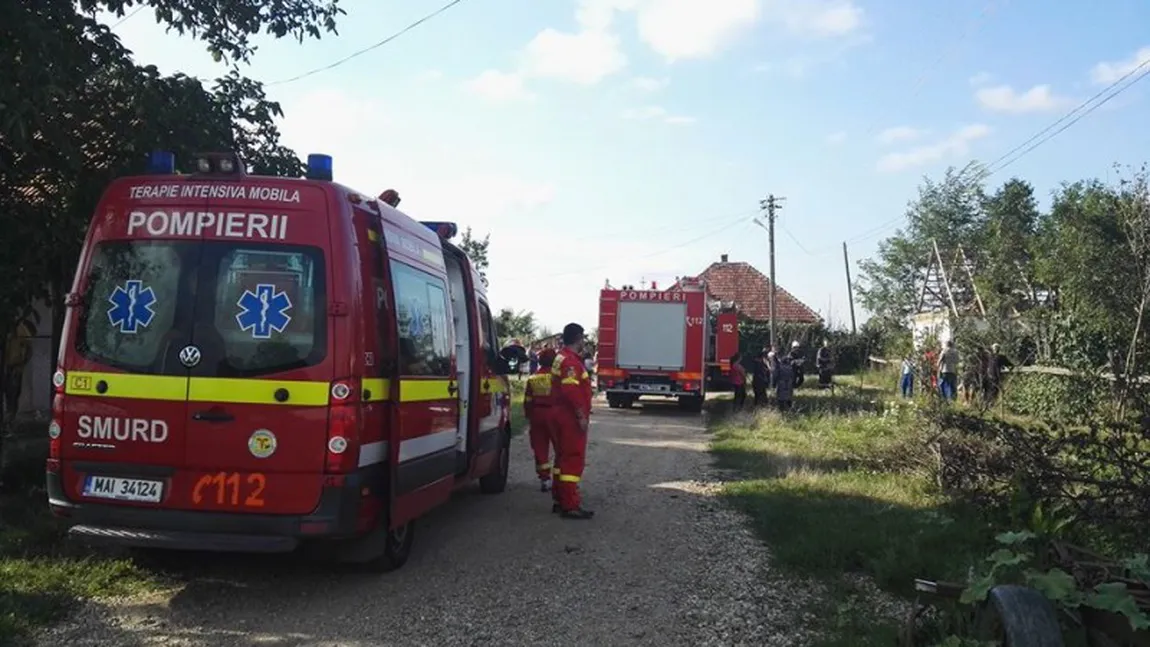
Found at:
(319, 167)
(443, 229)
(162, 163)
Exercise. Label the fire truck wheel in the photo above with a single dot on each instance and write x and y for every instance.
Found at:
(496, 481)
(613, 402)
(692, 403)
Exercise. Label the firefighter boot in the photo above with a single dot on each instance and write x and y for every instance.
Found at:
(544, 484)
(577, 513)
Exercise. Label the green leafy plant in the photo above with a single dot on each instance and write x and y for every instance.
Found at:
(1014, 563)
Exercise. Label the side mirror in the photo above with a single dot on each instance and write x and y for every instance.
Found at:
(500, 366)
(513, 353)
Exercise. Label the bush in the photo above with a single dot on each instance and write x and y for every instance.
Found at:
(1064, 398)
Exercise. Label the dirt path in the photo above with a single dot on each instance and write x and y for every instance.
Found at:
(663, 563)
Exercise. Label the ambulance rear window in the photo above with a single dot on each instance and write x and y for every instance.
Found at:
(134, 289)
(269, 307)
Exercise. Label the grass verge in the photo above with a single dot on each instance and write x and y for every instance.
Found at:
(41, 576)
(827, 487)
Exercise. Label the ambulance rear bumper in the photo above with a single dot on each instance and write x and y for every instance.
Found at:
(335, 516)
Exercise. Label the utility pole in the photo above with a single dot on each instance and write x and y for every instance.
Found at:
(771, 206)
(850, 293)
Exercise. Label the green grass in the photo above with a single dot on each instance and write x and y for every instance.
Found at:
(518, 420)
(42, 577)
(831, 490)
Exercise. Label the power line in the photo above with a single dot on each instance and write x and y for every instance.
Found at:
(130, 14)
(1077, 113)
(725, 227)
(971, 28)
(369, 48)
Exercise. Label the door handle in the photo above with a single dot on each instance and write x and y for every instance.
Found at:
(452, 388)
(213, 415)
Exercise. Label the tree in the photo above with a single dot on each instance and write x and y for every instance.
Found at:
(476, 250)
(510, 324)
(949, 212)
(79, 111)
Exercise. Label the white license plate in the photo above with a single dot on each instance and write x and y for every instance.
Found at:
(123, 489)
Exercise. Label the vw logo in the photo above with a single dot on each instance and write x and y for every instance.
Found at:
(190, 356)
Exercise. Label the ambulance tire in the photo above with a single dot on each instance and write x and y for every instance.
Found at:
(691, 403)
(496, 482)
(396, 549)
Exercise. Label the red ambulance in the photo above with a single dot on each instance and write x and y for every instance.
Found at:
(257, 363)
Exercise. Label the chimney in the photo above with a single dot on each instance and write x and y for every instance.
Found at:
(723, 258)
(653, 287)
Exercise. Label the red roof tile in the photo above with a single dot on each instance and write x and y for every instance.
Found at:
(750, 289)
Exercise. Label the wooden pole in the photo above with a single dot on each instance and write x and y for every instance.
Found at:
(850, 293)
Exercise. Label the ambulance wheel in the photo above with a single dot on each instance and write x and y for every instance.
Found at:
(496, 481)
(396, 549)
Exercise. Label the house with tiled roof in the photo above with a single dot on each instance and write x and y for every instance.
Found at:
(750, 291)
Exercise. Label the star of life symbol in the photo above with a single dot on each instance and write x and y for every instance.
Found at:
(131, 307)
(263, 311)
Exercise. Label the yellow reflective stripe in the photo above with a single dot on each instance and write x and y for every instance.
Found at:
(570, 380)
(372, 235)
(490, 386)
(424, 390)
(249, 391)
(555, 471)
(376, 389)
(569, 478)
(543, 467)
(127, 385)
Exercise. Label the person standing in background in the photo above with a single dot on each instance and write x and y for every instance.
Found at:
(572, 419)
(824, 364)
(538, 403)
(948, 371)
(906, 383)
(784, 382)
(738, 381)
(762, 379)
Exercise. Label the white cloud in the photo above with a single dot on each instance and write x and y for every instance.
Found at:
(1003, 98)
(494, 85)
(686, 29)
(834, 139)
(657, 113)
(648, 84)
(585, 58)
(1108, 72)
(980, 79)
(956, 144)
(899, 134)
(816, 18)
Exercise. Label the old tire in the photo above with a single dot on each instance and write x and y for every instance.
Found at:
(496, 481)
(1018, 616)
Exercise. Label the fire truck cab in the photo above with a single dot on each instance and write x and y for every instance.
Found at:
(258, 363)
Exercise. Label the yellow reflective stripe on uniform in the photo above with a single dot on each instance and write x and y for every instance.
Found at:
(543, 467)
(569, 478)
(570, 380)
(555, 472)
(424, 390)
(249, 391)
(127, 385)
(376, 389)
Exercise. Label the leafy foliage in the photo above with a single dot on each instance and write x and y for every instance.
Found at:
(510, 324)
(476, 250)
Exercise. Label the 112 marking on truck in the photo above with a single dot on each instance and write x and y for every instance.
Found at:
(258, 363)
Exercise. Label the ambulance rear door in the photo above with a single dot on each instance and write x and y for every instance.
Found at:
(129, 320)
(258, 392)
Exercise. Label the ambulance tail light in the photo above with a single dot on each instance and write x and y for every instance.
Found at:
(343, 428)
(319, 167)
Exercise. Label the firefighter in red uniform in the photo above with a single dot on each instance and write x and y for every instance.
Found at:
(572, 417)
(538, 401)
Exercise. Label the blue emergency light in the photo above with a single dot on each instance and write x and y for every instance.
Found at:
(443, 229)
(161, 163)
(319, 167)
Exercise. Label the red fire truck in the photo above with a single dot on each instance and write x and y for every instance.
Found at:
(675, 343)
(256, 363)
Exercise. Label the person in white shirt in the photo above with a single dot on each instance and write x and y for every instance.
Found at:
(906, 385)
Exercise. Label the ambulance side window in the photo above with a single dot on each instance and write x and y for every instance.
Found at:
(422, 321)
(487, 331)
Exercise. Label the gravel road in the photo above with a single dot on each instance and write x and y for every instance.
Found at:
(662, 563)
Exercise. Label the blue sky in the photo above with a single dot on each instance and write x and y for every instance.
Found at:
(631, 140)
